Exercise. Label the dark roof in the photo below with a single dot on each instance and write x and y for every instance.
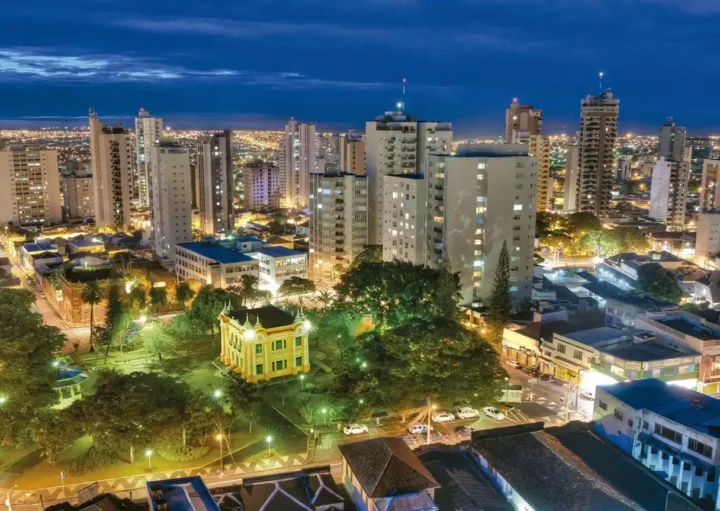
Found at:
(545, 330)
(386, 467)
(45, 255)
(102, 502)
(216, 252)
(82, 275)
(278, 252)
(269, 315)
(572, 470)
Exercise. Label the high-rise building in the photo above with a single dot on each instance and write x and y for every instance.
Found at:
(261, 186)
(596, 143)
(78, 195)
(622, 171)
(215, 183)
(571, 178)
(112, 174)
(404, 217)
(707, 243)
(352, 153)
(671, 173)
(297, 162)
(172, 196)
(338, 222)
(29, 186)
(148, 131)
(397, 143)
(709, 195)
(327, 153)
(478, 199)
(539, 147)
(521, 121)
(702, 149)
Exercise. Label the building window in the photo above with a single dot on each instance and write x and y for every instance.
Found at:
(279, 345)
(668, 433)
(298, 361)
(561, 348)
(298, 341)
(577, 354)
(258, 369)
(602, 405)
(618, 414)
(645, 425)
(630, 423)
(258, 349)
(700, 448)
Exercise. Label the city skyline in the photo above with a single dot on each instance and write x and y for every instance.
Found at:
(338, 66)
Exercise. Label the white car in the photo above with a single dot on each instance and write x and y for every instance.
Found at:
(443, 417)
(355, 429)
(514, 364)
(467, 413)
(587, 396)
(493, 413)
(416, 429)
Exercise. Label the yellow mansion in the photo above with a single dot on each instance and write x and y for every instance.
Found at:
(264, 343)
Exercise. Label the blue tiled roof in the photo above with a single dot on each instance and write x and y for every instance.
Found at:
(38, 247)
(86, 243)
(278, 252)
(686, 407)
(252, 239)
(216, 252)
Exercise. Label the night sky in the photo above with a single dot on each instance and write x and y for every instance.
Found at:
(254, 63)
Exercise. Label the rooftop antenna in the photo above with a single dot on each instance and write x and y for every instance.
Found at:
(401, 104)
(601, 81)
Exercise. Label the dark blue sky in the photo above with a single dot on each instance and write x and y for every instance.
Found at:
(253, 63)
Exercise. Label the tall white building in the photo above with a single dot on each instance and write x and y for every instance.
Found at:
(327, 153)
(112, 174)
(571, 178)
(709, 196)
(297, 162)
(673, 143)
(670, 177)
(404, 216)
(172, 197)
(29, 186)
(148, 131)
(596, 157)
(707, 243)
(521, 121)
(78, 195)
(352, 153)
(338, 222)
(261, 186)
(397, 143)
(478, 199)
(215, 183)
(539, 147)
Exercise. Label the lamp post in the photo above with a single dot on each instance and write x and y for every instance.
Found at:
(302, 382)
(219, 438)
(324, 414)
(269, 440)
(3, 400)
(507, 389)
(56, 365)
(148, 455)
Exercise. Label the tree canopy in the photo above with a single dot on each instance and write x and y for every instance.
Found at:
(659, 283)
(296, 286)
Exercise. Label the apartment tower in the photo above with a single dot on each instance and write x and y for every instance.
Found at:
(297, 162)
(215, 183)
(148, 131)
(670, 176)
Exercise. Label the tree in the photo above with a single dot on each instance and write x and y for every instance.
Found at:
(183, 293)
(297, 286)
(500, 303)
(138, 298)
(116, 317)
(603, 242)
(26, 355)
(156, 338)
(325, 298)
(52, 432)
(248, 293)
(659, 283)
(370, 254)
(158, 298)
(580, 223)
(92, 295)
(205, 309)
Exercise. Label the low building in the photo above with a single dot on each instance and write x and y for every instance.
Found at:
(671, 430)
(277, 264)
(181, 494)
(213, 264)
(264, 343)
(383, 474)
(85, 246)
(28, 249)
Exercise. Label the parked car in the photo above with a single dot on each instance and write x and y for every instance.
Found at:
(494, 413)
(588, 396)
(416, 429)
(547, 377)
(355, 429)
(466, 412)
(442, 417)
(530, 371)
(463, 432)
(514, 364)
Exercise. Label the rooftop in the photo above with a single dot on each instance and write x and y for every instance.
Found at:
(269, 316)
(182, 494)
(38, 247)
(87, 243)
(278, 252)
(683, 406)
(687, 327)
(643, 352)
(216, 252)
(386, 467)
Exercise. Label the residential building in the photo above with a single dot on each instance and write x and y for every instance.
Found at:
(85, 246)
(213, 264)
(521, 121)
(297, 162)
(78, 195)
(338, 222)
(383, 474)
(709, 196)
(277, 264)
(572, 171)
(673, 143)
(570, 468)
(668, 429)
(596, 152)
(29, 186)
(622, 171)
(215, 181)
(180, 494)
(352, 153)
(539, 147)
(707, 241)
(404, 217)
(327, 153)
(148, 131)
(171, 196)
(702, 149)
(112, 174)
(502, 203)
(28, 250)
(397, 143)
(264, 343)
(261, 186)
(668, 192)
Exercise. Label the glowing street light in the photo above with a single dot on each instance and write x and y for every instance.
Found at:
(3, 400)
(219, 438)
(148, 455)
(302, 382)
(307, 325)
(217, 394)
(269, 440)
(363, 365)
(324, 414)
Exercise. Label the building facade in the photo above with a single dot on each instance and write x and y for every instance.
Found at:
(215, 182)
(112, 174)
(297, 162)
(78, 195)
(338, 222)
(404, 217)
(668, 193)
(521, 122)
(571, 178)
(479, 199)
(397, 143)
(264, 343)
(261, 186)
(148, 131)
(213, 264)
(707, 241)
(171, 196)
(539, 147)
(352, 153)
(277, 264)
(709, 196)
(29, 186)
(596, 152)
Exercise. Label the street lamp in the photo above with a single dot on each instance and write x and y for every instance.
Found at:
(3, 400)
(148, 455)
(324, 414)
(361, 401)
(217, 394)
(269, 440)
(219, 438)
(363, 365)
(507, 389)
(302, 382)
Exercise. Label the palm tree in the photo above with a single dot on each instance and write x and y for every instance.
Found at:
(92, 295)
(326, 298)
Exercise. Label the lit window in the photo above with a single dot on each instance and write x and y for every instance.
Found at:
(517, 207)
(482, 166)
